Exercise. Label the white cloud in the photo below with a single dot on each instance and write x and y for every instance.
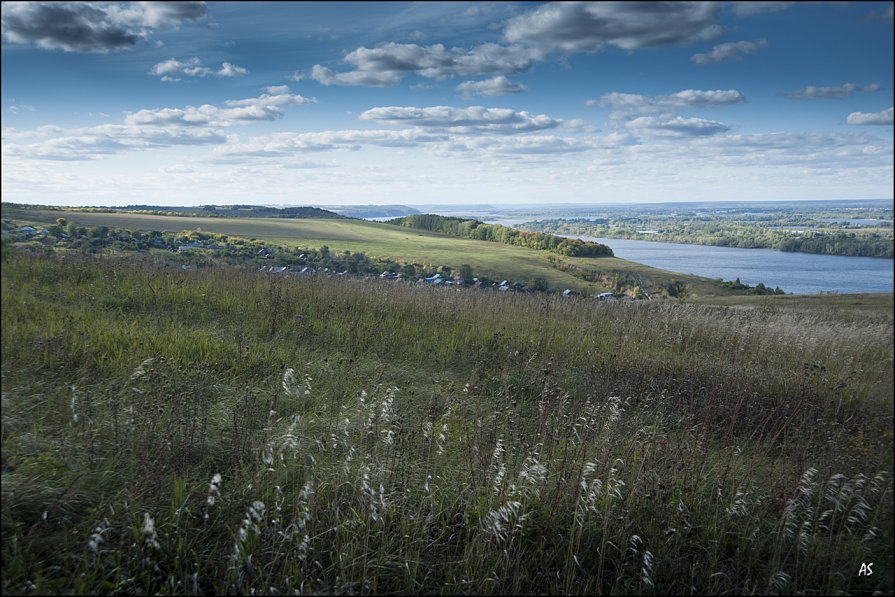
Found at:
(325, 76)
(280, 145)
(591, 26)
(266, 107)
(677, 126)
(729, 51)
(170, 70)
(884, 117)
(629, 104)
(231, 70)
(493, 87)
(516, 145)
(462, 120)
(833, 92)
(91, 26)
(103, 140)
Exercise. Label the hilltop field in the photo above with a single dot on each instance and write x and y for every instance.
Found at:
(403, 245)
(222, 430)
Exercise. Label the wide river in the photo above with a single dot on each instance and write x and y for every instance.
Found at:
(799, 273)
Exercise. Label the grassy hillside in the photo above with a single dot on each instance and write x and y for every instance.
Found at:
(400, 244)
(372, 438)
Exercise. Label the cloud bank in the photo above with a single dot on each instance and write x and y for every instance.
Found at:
(91, 26)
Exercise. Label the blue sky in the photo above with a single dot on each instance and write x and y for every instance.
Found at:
(116, 103)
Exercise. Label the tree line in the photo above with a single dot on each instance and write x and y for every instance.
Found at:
(476, 230)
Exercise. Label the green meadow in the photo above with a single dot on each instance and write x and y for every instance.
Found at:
(229, 432)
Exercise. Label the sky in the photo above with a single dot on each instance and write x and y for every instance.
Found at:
(192, 103)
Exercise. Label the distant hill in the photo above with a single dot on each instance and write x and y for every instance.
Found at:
(242, 211)
(374, 211)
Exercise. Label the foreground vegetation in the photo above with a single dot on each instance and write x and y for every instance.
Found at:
(224, 431)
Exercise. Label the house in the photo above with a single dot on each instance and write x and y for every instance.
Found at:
(436, 279)
(568, 292)
(607, 296)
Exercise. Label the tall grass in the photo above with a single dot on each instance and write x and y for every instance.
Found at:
(221, 431)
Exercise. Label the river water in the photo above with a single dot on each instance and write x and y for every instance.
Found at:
(799, 273)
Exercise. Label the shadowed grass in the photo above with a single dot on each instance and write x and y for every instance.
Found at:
(409, 439)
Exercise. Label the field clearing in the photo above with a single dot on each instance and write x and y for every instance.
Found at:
(405, 245)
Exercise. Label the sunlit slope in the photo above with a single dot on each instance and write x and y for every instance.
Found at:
(376, 239)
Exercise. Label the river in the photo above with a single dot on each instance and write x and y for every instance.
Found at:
(798, 273)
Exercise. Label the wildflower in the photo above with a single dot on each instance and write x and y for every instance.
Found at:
(288, 381)
(74, 405)
(150, 537)
(214, 489)
(97, 538)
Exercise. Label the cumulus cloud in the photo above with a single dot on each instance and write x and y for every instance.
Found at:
(629, 104)
(91, 26)
(493, 87)
(231, 70)
(677, 126)
(591, 26)
(266, 107)
(462, 120)
(386, 65)
(170, 70)
(531, 37)
(833, 92)
(325, 76)
(279, 145)
(95, 142)
(518, 145)
(729, 51)
(884, 117)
